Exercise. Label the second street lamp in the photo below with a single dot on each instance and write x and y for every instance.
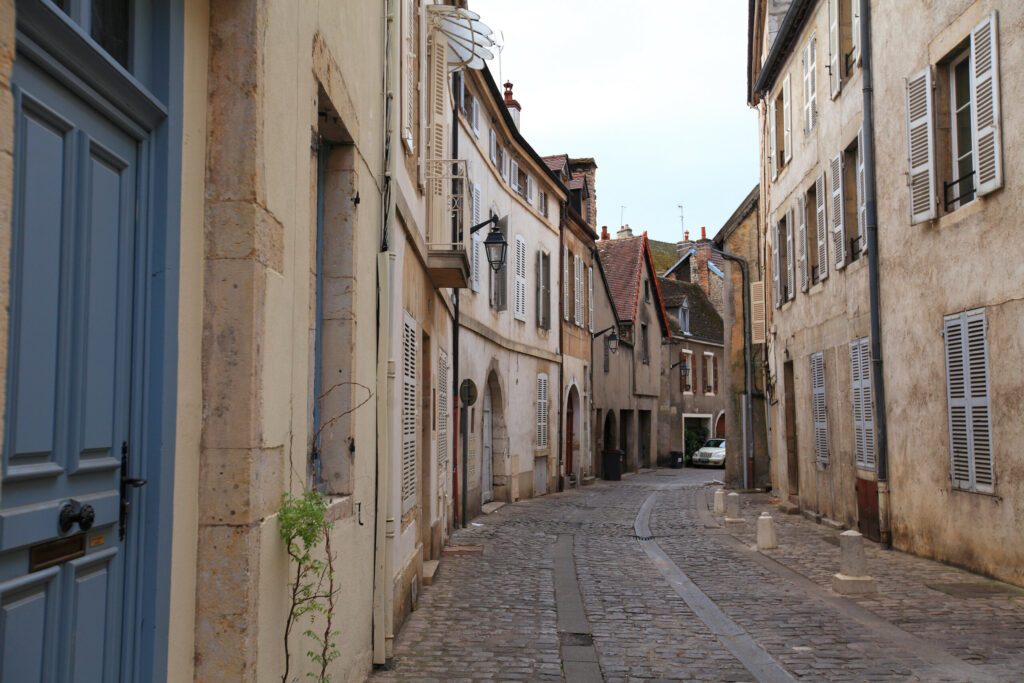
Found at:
(496, 247)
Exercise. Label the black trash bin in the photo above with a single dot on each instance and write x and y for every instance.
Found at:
(613, 464)
(678, 460)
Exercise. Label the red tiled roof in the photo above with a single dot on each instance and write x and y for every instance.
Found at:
(578, 182)
(556, 162)
(623, 261)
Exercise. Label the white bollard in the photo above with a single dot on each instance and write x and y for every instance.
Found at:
(719, 501)
(852, 578)
(732, 509)
(766, 532)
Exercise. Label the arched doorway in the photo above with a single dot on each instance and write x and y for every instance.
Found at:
(720, 426)
(610, 438)
(572, 431)
(494, 479)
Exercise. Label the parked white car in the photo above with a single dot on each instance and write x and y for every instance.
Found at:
(711, 453)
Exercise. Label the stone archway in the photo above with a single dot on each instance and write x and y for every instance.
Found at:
(495, 464)
(720, 426)
(610, 438)
(573, 432)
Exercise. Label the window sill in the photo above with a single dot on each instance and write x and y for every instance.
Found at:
(339, 507)
(987, 494)
(958, 215)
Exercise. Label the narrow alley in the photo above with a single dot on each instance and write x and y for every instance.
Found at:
(503, 606)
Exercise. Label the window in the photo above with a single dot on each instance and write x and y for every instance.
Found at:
(848, 211)
(607, 356)
(840, 47)
(967, 393)
(442, 410)
(684, 317)
(514, 176)
(686, 371)
(710, 375)
(492, 146)
(499, 280)
(590, 298)
(470, 108)
(542, 410)
(815, 239)
(529, 189)
(645, 347)
(542, 203)
(409, 412)
(969, 161)
(783, 272)
(503, 162)
(410, 69)
(577, 289)
(519, 307)
(543, 290)
(818, 411)
(810, 66)
(476, 245)
(565, 283)
(780, 122)
(863, 413)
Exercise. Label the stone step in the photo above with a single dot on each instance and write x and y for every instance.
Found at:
(430, 568)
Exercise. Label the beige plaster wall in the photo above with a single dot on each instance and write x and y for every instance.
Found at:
(675, 403)
(970, 258)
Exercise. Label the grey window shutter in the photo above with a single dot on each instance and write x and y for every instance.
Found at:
(547, 291)
(985, 112)
(863, 415)
(921, 146)
(967, 392)
(542, 410)
(565, 282)
(790, 256)
(821, 226)
(590, 298)
(835, 50)
(838, 212)
(776, 276)
(538, 289)
(801, 240)
(773, 152)
(818, 407)
(861, 199)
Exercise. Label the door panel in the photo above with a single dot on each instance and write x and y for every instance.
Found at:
(68, 400)
(487, 462)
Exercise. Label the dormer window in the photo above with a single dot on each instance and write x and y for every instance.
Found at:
(684, 317)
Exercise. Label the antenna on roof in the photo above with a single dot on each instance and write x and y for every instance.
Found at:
(682, 222)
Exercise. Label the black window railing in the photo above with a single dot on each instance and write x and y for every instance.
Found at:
(815, 275)
(856, 246)
(965, 189)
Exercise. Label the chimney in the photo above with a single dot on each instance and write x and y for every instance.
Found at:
(604, 233)
(703, 233)
(624, 231)
(514, 107)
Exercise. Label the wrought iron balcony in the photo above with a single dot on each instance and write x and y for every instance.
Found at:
(447, 223)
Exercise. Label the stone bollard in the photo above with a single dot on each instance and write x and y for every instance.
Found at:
(852, 578)
(766, 532)
(732, 509)
(719, 501)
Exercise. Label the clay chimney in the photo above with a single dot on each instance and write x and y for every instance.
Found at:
(703, 232)
(604, 233)
(624, 231)
(514, 108)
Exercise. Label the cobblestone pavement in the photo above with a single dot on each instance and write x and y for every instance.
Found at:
(494, 616)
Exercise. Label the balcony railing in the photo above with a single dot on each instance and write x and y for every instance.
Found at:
(447, 230)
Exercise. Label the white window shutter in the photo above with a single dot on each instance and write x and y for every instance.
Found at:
(542, 410)
(438, 120)
(773, 156)
(787, 120)
(576, 290)
(985, 112)
(855, 29)
(863, 415)
(442, 415)
(538, 289)
(790, 256)
(967, 393)
(838, 212)
(529, 189)
(801, 241)
(776, 275)
(921, 146)
(862, 207)
(476, 116)
(757, 313)
(514, 174)
(810, 66)
(835, 50)
(492, 145)
(519, 295)
(818, 408)
(409, 412)
(409, 67)
(565, 282)
(590, 297)
(821, 226)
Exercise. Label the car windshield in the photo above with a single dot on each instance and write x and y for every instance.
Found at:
(714, 443)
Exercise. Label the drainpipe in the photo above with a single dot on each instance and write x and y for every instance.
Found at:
(871, 226)
(561, 348)
(384, 525)
(748, 372)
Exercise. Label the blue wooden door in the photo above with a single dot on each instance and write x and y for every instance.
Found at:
(69, 385)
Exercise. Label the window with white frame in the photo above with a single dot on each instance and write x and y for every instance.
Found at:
(519, 308)
(818, 408)
(410, 411)
(492, 146)
(542, 410)
(710, 373)
(543, 287)
(968, 401)
(810, 69)
(863, 412)
(686, 371)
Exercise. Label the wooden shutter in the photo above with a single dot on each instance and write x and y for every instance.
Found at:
(546, 272)
(542, 410)
(577, 290)
(442, 414)
(409, 67)
(714, 374)
(529, 189)
(475, 245)
(438, 95)
(704, 374)
(835, 50)
(967, 393)
(492, 144)
(838, 212)
(810, 66)
(854, 30)
(790, 257)
(818, 407)
(475, 116)
(682, 370)
(801, 240)
(565, 282)
(519, 293)
(776, 276)
(538, 288)
(863, 415)
(409, 412)
(757, 313)
(921, 146)
(590, 297)
(821, 225)
(514, 175)
(985, 112)
(787, 120)
(773, 156)
(862, 210)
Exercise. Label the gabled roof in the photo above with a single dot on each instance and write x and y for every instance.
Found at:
(745, 208)
(556, 162)
(715, 263)
(624, 260)
(705, 322)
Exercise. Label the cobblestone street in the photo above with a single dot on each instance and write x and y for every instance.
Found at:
(573, 586)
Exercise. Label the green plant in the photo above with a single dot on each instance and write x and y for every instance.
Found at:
(304, 528)
(694, 439)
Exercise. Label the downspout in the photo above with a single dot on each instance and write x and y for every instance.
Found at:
(871, 226)
(748, 373)
(384, 525)
(561, 349)
(460, 416)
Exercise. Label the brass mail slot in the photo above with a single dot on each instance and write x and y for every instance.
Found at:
(55, 552)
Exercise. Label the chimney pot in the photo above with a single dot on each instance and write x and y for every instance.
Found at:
(703, 232)
(604, 232)
(686, 235)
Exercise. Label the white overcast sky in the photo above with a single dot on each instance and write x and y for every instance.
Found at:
(654, 90)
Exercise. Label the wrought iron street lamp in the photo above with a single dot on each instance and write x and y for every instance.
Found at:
(496, 247)
(611, 341)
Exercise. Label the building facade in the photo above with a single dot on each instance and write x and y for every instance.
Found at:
(925, 466)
